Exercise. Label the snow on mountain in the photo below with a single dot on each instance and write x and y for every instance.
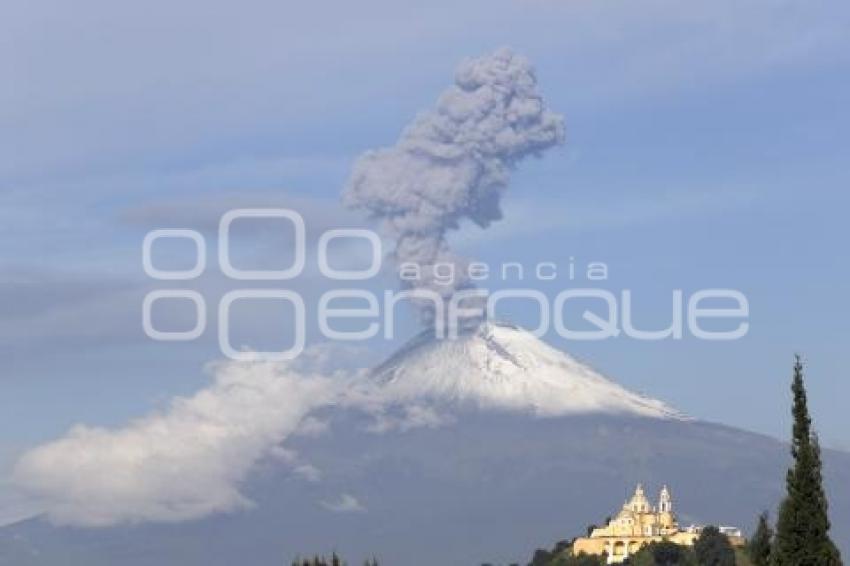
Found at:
(484, 485)
(499, 365)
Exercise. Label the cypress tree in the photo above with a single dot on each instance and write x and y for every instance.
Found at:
(802, 528)
(758, 548)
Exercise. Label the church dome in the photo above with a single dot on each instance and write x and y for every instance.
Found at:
(639, 503)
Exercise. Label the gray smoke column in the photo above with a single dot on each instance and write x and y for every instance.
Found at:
(454, 162)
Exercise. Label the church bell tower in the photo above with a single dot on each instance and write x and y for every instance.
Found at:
(665, 503)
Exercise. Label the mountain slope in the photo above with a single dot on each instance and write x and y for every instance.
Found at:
(489, 487)
(504, 366)
(531, 446)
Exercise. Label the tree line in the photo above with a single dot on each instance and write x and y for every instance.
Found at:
(334, 560)
(799, 538)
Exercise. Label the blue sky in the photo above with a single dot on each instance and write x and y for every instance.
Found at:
(706, 147)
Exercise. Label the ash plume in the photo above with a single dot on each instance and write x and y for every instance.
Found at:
(453, 162)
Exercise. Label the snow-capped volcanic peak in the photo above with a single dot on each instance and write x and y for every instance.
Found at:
(502, 366)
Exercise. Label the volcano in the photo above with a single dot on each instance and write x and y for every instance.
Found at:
(501, 366)
(474, 450)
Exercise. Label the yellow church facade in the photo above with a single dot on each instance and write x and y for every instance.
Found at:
(639, 523)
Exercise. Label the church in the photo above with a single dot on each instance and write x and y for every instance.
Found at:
(638, 523)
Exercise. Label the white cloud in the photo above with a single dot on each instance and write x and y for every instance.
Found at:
(312, 427)
(308, 472)
(184, 463)
(15, 506)
(190, 460)
(403, 417)
(346, 503)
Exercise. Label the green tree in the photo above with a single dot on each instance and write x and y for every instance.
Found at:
(802, 527)
(759, 546)
(663, 554)
(712, 548)
(541, 557)
(334, 560)
(562, 555)
(580, 559)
